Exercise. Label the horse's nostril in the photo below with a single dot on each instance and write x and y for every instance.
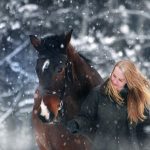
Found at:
(42, 118)
(51, 117)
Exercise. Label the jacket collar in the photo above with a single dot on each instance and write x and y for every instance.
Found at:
(123, 92)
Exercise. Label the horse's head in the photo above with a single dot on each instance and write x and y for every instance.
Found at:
(51, 59)
(51, 67)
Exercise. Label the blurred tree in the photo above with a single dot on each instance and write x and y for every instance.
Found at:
(105, 31)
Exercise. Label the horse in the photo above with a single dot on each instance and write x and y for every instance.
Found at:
(65, 79)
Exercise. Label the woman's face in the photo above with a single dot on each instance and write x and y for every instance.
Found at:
(118, 79)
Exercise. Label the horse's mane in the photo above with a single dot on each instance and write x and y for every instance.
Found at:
(87, 60)
(80, 61)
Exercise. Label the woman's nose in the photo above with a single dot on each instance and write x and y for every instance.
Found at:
(115, 81)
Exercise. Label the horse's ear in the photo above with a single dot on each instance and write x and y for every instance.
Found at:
(35, 41)
(68, 36)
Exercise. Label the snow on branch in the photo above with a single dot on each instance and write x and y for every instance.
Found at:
(113, 39)
(16, 67)
(15, 52)
(120, 11)
(11, 109)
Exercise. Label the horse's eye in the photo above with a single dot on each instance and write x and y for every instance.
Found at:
(60, 70)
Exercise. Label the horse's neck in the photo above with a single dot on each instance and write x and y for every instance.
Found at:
(82, 70)
(76, 90)
(72, 54)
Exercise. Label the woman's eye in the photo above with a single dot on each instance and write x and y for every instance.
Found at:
(121, 80)
(114, 76)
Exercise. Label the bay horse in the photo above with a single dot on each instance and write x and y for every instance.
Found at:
(65, 79)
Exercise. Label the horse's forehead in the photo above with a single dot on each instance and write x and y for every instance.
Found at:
(53, 41)
(53, 59)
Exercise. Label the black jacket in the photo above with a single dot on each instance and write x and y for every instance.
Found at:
(113, 130)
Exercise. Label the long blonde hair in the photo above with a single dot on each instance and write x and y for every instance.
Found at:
(138, 98)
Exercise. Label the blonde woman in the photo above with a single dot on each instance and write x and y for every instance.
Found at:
(119, 110)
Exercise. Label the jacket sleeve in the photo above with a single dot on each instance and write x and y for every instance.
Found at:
(88, 113)
(143, 132)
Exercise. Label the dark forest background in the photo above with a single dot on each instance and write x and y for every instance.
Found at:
(105, 31)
